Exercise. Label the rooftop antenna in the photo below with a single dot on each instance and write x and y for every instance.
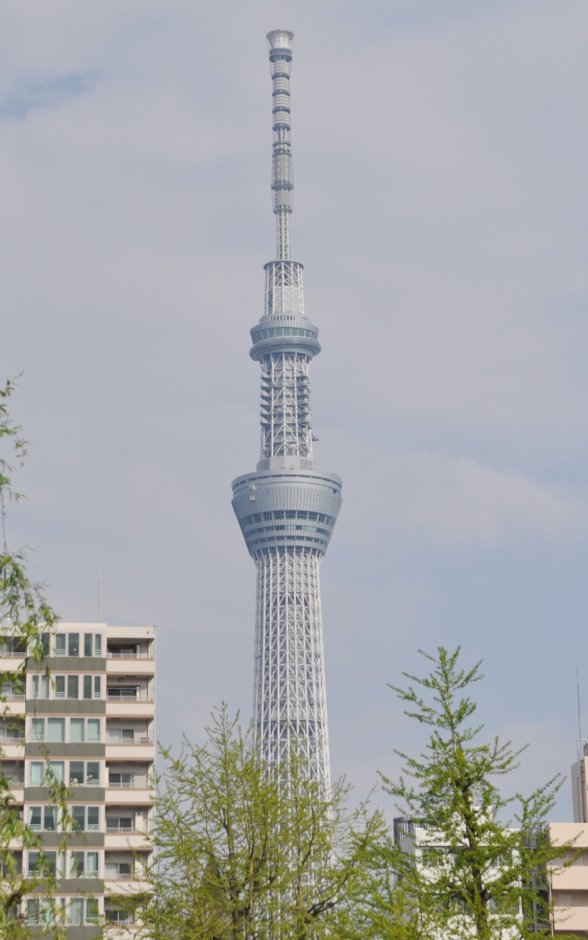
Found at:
(99, 580)
(580, 739)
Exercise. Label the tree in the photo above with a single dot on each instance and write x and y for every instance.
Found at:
(480, 872)
(245, 851)
(25, 619)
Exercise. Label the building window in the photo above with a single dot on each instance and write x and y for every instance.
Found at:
(73, 644)
(38, 729)
(121, 779)
(42, 774)
(40, 686)
(43, 864)
(98, 644)
(76, 730)
(118, 870)
(72, 686)
(83, 911)
(85, 818)
(76, 911)
(87, 644)
(43, 818)
(56, 729)
(84, 864)
(60, 646)
(84, 773)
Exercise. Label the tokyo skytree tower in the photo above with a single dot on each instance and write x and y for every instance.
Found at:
(287, 509)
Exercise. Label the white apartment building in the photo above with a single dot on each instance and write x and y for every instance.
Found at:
(84, 716)
(431, 853)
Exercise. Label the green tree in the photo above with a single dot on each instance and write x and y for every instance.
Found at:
(244, 852)
(480, 873)
(25, 620)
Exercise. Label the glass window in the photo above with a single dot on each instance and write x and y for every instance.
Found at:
(40, 686)
(38, 729)
(93, 818)
(72, 686)
(32, 915)
(76, 771)
(87, 644)
(92, 865)
(73, 644)
(56, 770)
(35, 817)
(93, 729)
(93, 772)
(42, 863)
(76, 730)
(92, 914)
(98, 644)
(60, 644)
(87, 686)
(78, 814)
(37, 770)
(50, 819)
(56, 729)
(59, 686)
(45, 643)
(76, 911)
(97, 686)
(77, 865)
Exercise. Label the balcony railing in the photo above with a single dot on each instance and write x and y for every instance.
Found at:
(129, 654)
(121, 918)
(7, 737)
(128, 695)
(134, 783)
(122, 872)
(143, 739)
(117, 825)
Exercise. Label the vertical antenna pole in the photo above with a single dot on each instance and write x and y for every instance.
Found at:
(280, 41)
(99, 580)
(579, 715)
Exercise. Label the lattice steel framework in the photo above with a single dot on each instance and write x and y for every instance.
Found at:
(287, 509)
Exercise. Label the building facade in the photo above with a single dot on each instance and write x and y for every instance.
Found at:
(83, 717)
(287, 508)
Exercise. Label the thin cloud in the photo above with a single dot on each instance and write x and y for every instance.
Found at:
(43, 95)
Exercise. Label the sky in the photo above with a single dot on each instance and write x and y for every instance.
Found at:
(440, 153)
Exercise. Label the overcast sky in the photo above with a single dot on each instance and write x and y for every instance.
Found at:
(440, 154)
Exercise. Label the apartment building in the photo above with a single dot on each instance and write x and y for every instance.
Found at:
(85, 716)
(433, 856)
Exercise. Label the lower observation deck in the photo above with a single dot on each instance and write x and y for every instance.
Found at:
(287, 509)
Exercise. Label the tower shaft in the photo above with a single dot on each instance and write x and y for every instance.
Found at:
(287, 509)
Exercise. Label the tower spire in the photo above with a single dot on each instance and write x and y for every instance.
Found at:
(280, 43)
(287, 508)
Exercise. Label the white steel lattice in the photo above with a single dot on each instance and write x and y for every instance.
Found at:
(284, 293)
(290, 704)
(285, 406)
